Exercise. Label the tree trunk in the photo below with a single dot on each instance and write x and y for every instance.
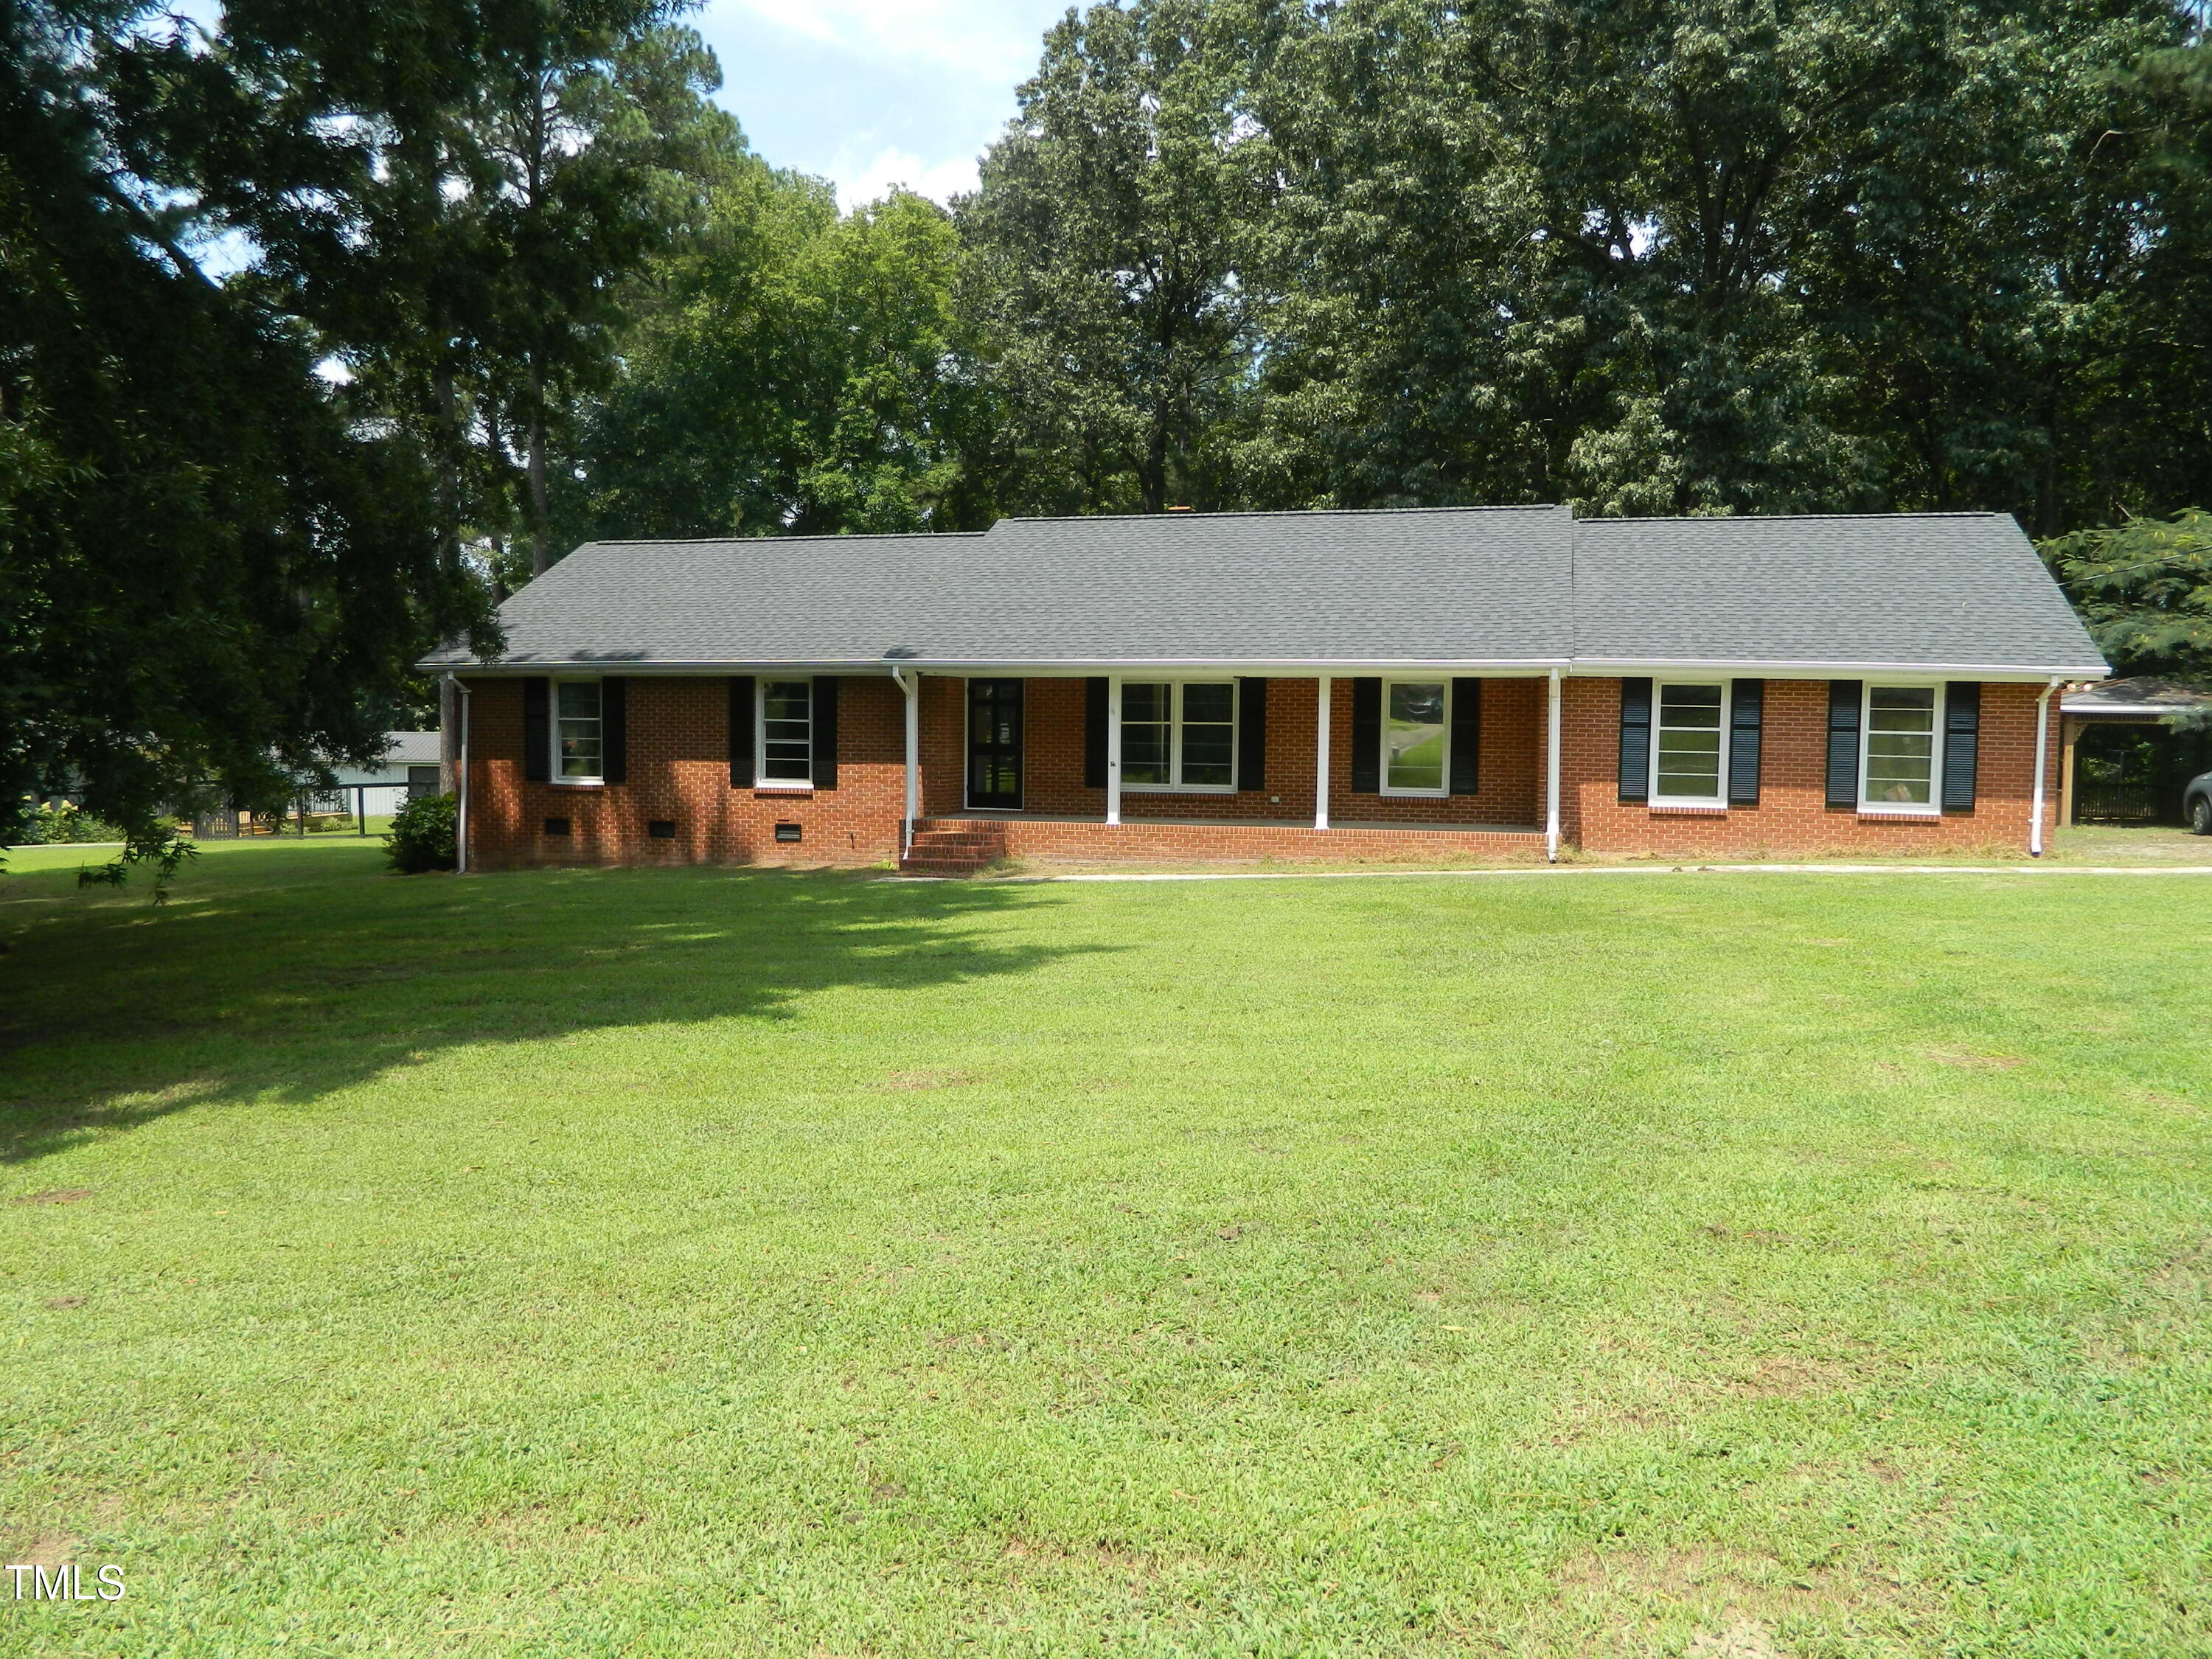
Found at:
(449, 460)
(449, 738)
(539, 562)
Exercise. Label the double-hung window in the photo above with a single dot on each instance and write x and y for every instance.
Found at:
(787, 733)
(579, 740)
(1179, 734)
(1689, 753)
(1900, 755)
(1416, 737)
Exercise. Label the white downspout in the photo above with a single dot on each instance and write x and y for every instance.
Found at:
(911, 684)
(1325, 688)
(1114, 749)
(1552, 775)
(2042, 756)
(461, 793)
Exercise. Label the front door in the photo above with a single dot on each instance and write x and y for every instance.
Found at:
(994, 744)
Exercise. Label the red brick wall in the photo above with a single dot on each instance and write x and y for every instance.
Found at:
(1793, 817)
(679, 768)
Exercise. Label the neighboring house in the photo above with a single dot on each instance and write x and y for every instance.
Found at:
(2124, 763)
(1327, 684)
(409, 763)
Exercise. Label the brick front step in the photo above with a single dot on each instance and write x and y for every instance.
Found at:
(951, 852)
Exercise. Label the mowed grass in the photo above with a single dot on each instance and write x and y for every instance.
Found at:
(731, 1263)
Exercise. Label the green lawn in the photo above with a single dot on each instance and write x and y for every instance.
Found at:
(713, 1263)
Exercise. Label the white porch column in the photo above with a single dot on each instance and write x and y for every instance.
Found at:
(1552, 775)
(910, 682)
(1324, 687)
(1114, 749)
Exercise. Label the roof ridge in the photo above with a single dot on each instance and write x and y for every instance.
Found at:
(1789, 518)
(1275, 512)
(781, 541)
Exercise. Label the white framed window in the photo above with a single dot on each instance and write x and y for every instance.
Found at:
(578, 732)
(1416, 737)
(785, 735)
(1179, 735)
(1900, 749)
(1689, 744)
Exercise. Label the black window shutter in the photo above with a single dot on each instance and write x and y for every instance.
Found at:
(1251, 734)
(825, 732)
(741, 731)
(1747, 705)
(614, 730)
(1844, 743)
(1962, 743)
(1635, 742)
(1367, 737)
(1466, 736)
(1094, 732)
(536, 729)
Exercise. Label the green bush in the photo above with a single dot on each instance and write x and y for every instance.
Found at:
(62, 823)
(422, 835)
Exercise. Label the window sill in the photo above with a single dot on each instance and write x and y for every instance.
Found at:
(783, 789)
(578, 783)
(1689, 810)
(1900, 814)
(1177, 789)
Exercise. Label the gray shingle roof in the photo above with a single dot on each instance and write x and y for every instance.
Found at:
(1899, 590)
(1475, 585)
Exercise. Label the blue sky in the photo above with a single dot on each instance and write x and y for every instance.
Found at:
(874, 92)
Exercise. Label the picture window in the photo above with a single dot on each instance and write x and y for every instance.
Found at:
(1416, 737)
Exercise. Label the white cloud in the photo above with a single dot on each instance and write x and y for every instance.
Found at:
(872, 182)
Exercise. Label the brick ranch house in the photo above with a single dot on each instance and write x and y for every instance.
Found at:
(1391, 685)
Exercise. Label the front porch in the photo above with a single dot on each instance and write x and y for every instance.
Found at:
(961, 846)
(1131, 767)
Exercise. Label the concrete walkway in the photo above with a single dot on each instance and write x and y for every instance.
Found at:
(1620, 869)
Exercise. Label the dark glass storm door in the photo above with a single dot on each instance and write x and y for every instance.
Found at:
(994, 744)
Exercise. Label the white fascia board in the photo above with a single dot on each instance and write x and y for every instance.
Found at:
(1531, 668)
(2090, 711)
(523, 668)
(1610, 668)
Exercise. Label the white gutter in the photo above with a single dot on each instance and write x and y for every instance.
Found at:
(461, 782)
(2042, 757)
(1552, 775)
(1512, 667)
(1771, 668)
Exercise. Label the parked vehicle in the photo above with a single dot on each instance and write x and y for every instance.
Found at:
(2197, 804)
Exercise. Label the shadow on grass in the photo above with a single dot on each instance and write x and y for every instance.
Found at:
(293, 973)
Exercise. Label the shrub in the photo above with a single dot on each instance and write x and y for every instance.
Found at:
(63, 823)
(422, 835)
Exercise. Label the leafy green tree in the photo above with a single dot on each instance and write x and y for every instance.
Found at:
(2145, 590)
(792, 372)
(212, 574)
(1104, 241)
(1721, 255)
